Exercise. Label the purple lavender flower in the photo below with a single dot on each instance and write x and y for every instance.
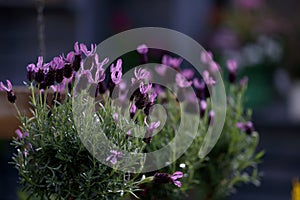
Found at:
(140, 75)
(208, 79)
(144, 89)
(203, 106)
(214, 67)
(116, 72)
(201, 90)
(175, 176)
(246, 127)
(188, 73)
(10, 93)
(232, 68)
(150, 129)
(88, 53)
(31, 69)
(167, 178)
(161, 69)
(182, 82)
(113, 157)
(152, 96)
(143, 50)
(116, 77)
(132, 110)
(40, 70)
(118, 66)
(172, 62)
(58, 65)
(206, 57)
(128, 134)
(21, 135)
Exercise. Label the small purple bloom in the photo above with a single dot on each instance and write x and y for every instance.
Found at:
(113, 157)
(88, 53)
(176, 176)
(4, 88)
(132, 110)
(182, 82)
(168, 178)
(116, 117)
(142, 49)
(59, 87)
(206, 57)
(203, 106)
(198, 84)
(152, 96)
(140, 74)
(152, 126)
(188, 73)
(70, 56)
(208, 79)
(118, 66)
(128, 134)
(77, 49)
(246, 127)
(231, 66)
(10, 94)
(172, 62)
(144, 89)
(21, 135)
(31, 69)
(161, 69)
(116, 77)
(214, 67)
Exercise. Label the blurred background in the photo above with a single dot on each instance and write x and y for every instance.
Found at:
(263, 35)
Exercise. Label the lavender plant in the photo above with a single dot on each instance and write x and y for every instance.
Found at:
(54, 162)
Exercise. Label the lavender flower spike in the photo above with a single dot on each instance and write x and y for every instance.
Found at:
(145, 88)
(182, 82)
(176, 176)
(10, 94)
(152, 126)
(118, 66)
(88, 53)
(232, 68)
(4, 88)
(113, 157)
(208, 79)
(141, 74)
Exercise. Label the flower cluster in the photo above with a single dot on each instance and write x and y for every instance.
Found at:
(54, 163)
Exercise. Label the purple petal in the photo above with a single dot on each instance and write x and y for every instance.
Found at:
(188, 73)
(9, 85)
(198, 84)
(231, 65)
(19, 133)
(177, 183)
(161, 69)
(142, 49)
(176, 175)
(76, 48)
(40, 62)
(113, 160)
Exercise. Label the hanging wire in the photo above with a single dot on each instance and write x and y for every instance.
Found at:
(40, 5)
